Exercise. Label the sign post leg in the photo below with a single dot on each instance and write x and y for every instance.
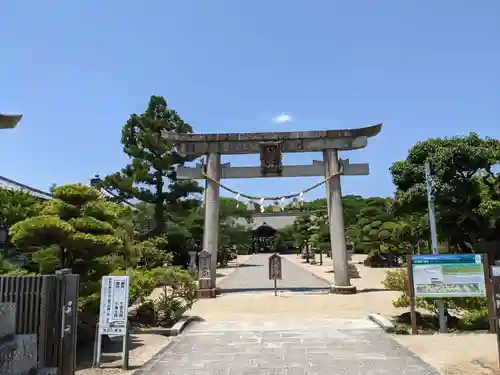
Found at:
(275, 287)
(125, 348)
(442, 317)
(98, 348)
(411, 295)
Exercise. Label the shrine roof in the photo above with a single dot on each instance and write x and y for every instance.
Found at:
(369, 131)
(9, 121)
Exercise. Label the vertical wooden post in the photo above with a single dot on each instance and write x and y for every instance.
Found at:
(496, 303)
(411, 294)
(69, 322)
(489, 294)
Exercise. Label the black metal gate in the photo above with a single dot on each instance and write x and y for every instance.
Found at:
(38, 320)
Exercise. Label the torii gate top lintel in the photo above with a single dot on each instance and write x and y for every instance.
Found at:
(250, 143)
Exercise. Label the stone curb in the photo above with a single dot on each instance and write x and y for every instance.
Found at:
(175, 330)
(178, 327)
(383, 322)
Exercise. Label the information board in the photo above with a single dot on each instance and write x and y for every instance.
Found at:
(114, 305)
(448, 275)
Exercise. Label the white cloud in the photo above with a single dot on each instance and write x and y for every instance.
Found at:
(281, 119)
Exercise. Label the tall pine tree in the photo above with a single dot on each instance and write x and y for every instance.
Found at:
(150, 176)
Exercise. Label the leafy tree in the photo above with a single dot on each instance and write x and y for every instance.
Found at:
(302, 233)
(463, 174)
(234, 229)
(76, 230)
(320, 236)
(151, 253)
(285, 239)
(150, 176)
(16, 205)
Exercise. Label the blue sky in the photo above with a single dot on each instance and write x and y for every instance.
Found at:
(77, 69)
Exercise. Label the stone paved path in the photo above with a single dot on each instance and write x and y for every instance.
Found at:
(253, 276)
(316, 347)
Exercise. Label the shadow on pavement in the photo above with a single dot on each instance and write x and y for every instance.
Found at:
(243, 265)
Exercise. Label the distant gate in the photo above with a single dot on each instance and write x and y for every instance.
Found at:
(38, 316)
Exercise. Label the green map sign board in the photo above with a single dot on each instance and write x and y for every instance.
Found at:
(448, 275)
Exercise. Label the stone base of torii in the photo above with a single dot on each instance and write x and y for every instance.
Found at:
(271, 146)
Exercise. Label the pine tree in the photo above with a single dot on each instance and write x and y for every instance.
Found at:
(150, 176)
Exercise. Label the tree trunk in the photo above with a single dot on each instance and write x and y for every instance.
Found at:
(159, 205)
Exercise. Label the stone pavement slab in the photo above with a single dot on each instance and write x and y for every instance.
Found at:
(253, 276)
(279, 347)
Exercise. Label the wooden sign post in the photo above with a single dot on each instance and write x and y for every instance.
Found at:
(113, 317)
(275, 270)
(495, 281)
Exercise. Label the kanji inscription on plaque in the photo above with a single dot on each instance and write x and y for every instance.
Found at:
(275, 267)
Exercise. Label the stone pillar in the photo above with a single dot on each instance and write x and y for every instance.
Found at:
(206, 288)
(342, 284)
(211, 226)
(192, 267)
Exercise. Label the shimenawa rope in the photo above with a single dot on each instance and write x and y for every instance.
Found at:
(276, 198)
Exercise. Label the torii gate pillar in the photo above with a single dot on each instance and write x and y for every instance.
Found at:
(211, 224)
(341, 284)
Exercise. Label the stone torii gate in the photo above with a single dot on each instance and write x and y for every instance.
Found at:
(270, 146)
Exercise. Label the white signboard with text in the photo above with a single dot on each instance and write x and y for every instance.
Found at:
(113, 312)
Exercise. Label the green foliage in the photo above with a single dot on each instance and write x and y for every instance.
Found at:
(142, 283)
(104, 243)
(76, 194)
(178, 295)
(42, 230)
(152, 253)
(16, 206)
(46, 259)
(8, 269)
(91, 225)
(150, 177)
(59, 208)
(101, 210)
(474, 320)
(372, 227)
(67, 236)
(301, 231)
(463, 176)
